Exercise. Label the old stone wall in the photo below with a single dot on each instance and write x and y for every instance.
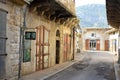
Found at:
(13, 33)
(112, 38)
(33, 20)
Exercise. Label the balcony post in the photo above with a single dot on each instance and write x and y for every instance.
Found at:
(119, 46)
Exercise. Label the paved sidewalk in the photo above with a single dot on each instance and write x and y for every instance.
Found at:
(117, 68)
(41, 75)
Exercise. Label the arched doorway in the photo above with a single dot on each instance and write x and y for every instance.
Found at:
(57, 47)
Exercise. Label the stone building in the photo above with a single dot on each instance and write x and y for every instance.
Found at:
(35, 35)
(113, 17)
(78, 40)
(95, 39)
(113, 40)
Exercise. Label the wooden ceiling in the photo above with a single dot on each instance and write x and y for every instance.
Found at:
(113, 12)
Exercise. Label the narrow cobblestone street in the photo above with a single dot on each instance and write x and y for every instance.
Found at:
(94, 66)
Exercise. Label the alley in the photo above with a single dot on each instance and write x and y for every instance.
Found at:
(94, 66)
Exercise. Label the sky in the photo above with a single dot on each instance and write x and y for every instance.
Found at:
(85, 2)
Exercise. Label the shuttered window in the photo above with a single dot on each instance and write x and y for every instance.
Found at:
(3, 38)
(3, 32)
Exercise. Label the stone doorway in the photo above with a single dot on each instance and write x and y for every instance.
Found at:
(92, 44)
(57, 51)
(57, 47)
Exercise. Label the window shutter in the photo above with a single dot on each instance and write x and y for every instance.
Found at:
(2, 31)
(3, 15)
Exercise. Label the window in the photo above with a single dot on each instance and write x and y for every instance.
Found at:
(3, 16)
(92, 34)
(30, 35)
(58, 33)
(3, 38)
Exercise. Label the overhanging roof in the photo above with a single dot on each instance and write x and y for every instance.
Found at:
(51, 7)
(113, 12)
(111, 30)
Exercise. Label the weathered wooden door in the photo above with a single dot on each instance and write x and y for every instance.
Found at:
(106, 45)
(98, 44)
(87, 44)
(42, 48)
(3, 38)
(65, 47)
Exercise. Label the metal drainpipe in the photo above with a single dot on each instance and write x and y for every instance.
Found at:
(74, 43)
(21, 43)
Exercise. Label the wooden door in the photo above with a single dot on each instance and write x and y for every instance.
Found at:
(66, 44)
(106, 45)
(42, 48)
(87, 44)
(98, 44)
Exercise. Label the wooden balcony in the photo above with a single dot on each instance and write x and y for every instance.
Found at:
(69, 5)
(57, 10)
(61, 11)
(113, 12)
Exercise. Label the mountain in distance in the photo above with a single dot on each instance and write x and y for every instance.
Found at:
(92, 15)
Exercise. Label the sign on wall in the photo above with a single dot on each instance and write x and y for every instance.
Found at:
(30, 35)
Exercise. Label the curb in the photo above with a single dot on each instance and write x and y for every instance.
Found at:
(75, 61)
(116, 67)
(57, 72)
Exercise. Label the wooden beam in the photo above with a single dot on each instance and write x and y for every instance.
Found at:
(19, 2)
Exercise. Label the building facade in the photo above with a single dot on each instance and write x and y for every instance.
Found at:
(78, 40)
(113, 38)
(35, 35)
(95, 39)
